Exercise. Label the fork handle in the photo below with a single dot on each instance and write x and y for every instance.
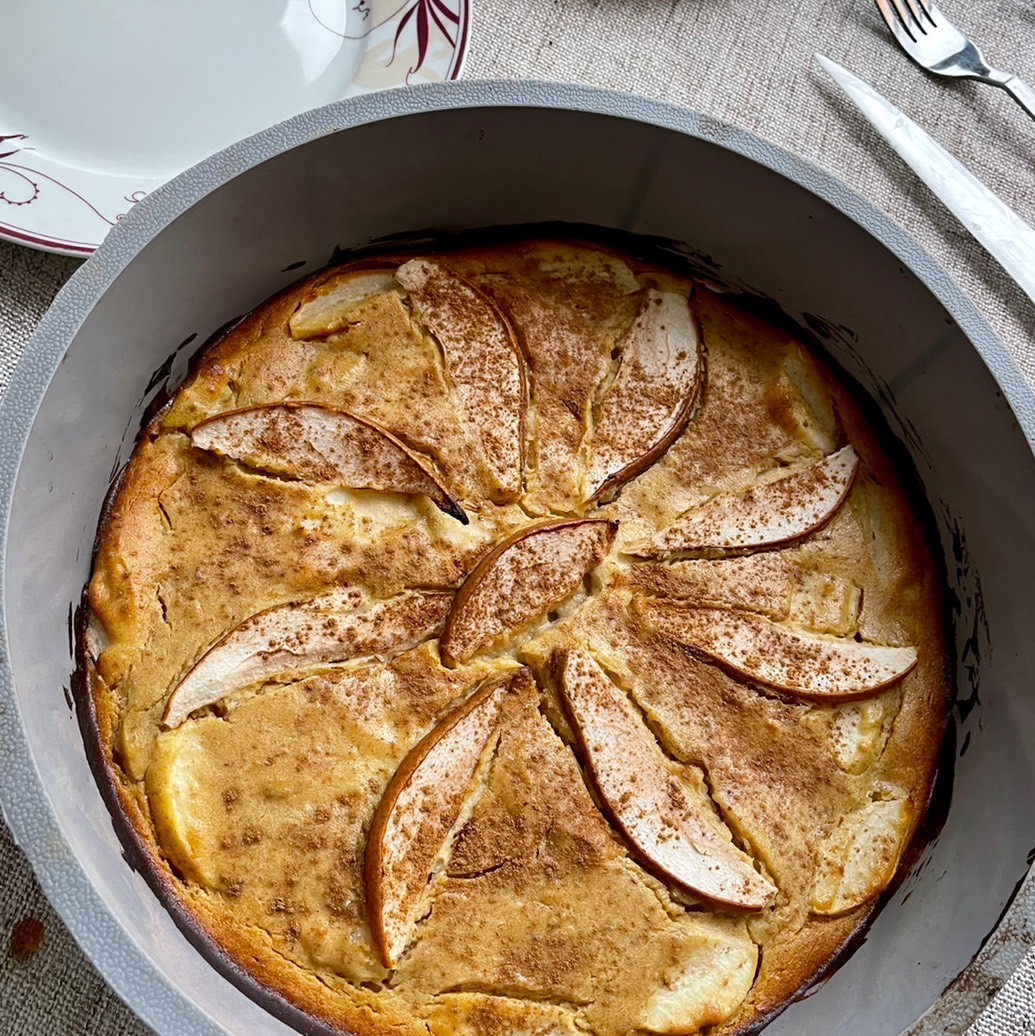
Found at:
(1019, 90)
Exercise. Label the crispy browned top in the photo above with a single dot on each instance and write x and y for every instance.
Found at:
(257, 569)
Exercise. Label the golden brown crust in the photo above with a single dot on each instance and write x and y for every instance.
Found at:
(281, 779)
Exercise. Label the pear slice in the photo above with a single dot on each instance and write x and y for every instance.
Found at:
(710, 982)
(410, 831)
(808, 665)
(342, 624)
(859, 857)
(316, 443)
(327, 309)
(521, 579)
(483, 362)
(772, 514)
(670, 822)
(650, 401)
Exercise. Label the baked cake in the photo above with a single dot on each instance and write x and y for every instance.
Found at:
(517, 638)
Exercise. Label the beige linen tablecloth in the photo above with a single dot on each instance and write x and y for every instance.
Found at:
(745, 62)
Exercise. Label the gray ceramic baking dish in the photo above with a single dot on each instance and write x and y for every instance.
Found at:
(226, 234)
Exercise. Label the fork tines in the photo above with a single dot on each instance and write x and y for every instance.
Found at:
(912, 15)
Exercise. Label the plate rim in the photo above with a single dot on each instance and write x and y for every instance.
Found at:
(67, 245)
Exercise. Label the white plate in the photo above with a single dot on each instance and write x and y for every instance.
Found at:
(102, 102)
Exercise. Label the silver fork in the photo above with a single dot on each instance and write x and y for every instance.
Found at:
(934, 43)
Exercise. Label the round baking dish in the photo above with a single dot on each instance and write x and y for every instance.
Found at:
(236, 228)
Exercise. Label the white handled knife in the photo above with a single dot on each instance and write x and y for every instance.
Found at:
(1007, 238)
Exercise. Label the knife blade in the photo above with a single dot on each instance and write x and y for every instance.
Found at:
(1003, 234)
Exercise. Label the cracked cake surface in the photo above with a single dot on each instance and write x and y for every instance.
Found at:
(517, 638)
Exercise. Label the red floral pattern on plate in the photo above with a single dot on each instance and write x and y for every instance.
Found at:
(61, 208)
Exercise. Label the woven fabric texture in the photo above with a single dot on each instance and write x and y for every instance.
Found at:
(750, 64)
